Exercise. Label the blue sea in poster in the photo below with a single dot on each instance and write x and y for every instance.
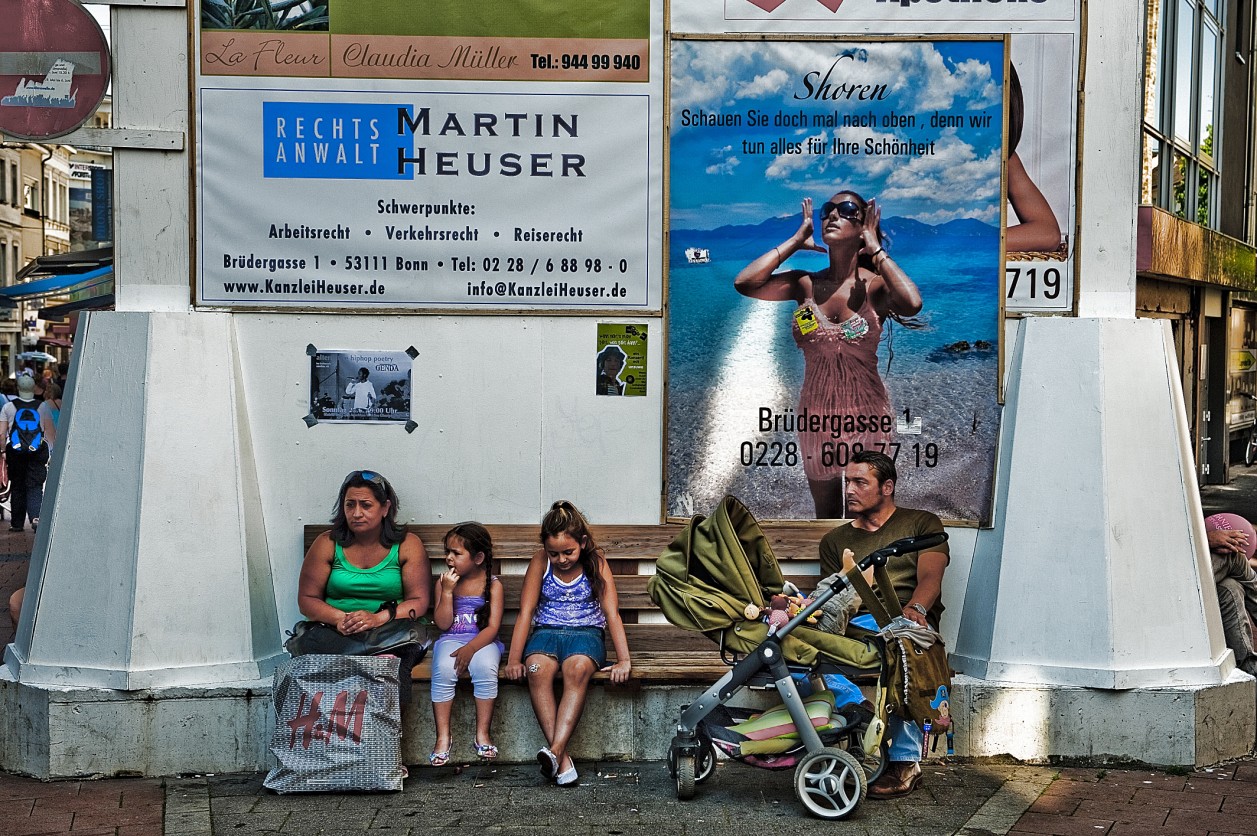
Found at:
(729, 356)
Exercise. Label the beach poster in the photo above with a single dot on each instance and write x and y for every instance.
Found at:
(834, 271)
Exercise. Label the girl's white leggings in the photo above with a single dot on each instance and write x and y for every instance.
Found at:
(483, 669)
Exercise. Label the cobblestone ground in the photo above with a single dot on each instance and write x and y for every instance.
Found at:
(611, 799)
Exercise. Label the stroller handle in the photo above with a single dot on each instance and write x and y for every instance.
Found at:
(903, 546)
(835, 583)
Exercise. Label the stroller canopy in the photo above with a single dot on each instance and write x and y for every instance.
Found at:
(717, 566)
(714, 568)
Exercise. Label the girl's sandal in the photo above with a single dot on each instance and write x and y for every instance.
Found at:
(486, 751)
(439, 758)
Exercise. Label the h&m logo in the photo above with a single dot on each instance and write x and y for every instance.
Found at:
(344, 723)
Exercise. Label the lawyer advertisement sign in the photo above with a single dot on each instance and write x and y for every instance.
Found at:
(357, 155)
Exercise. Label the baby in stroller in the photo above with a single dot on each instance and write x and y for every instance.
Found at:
(833, 740)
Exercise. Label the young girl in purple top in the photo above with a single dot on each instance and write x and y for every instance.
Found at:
(569, 602)
(469, 610)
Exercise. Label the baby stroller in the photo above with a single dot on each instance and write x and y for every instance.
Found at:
(704, 582)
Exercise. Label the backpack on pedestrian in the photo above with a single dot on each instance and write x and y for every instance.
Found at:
(26, 433)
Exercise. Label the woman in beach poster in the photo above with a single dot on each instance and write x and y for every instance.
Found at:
(841, 313)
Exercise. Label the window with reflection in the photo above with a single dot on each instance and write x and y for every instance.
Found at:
(1183, 70)
(1178, 192)
(1150, 181)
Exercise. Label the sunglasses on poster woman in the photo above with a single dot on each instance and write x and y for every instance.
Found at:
(847, 209)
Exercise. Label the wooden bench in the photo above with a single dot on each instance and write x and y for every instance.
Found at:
(662, 653)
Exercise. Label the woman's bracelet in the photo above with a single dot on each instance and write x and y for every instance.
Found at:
(780, 260)
(880, 251)
(391, 606)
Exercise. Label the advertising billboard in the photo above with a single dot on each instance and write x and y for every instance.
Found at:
(356, 155)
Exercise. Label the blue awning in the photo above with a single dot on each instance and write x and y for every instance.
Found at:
(54, 285)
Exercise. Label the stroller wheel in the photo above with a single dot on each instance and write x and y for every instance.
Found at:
(706, 766)
(685, 776)
(830, 783)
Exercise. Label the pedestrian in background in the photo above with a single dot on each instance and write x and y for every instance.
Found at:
(27, 428)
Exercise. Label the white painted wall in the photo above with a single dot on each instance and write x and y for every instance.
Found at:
(508, 423)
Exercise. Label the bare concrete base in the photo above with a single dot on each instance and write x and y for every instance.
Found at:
(618, 724)
(50, 732)
(1179, 726)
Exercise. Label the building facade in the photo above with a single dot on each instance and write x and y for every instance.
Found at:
(1196, 224)
(54, 199)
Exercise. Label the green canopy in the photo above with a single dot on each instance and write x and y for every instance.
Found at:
(720, 564)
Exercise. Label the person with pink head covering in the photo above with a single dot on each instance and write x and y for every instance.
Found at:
(1232, 542)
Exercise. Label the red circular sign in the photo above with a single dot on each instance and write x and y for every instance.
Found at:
(54, 67)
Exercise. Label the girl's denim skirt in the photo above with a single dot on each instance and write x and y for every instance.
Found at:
(562, 642)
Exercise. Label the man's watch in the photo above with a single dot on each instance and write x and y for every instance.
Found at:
(919, 609)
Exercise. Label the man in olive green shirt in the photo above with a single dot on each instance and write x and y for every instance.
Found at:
(917, 578)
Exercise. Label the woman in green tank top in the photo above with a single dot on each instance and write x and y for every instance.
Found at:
(367, 569)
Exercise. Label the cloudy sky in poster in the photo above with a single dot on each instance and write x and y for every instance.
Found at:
(956, 78)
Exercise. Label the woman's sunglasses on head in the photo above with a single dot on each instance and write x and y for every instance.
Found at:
(366, 476)
(848, 209)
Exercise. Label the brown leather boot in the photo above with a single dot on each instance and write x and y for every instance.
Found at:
(899, 779)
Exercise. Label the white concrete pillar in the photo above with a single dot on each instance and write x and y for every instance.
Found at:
(1096, 572)
(151, 569)
(1090, 627)
(1108, 157)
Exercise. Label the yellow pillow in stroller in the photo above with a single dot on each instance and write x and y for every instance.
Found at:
(776, 722)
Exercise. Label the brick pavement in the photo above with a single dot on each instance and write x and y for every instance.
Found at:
(1131, 802)
(971, 799)
(117, 807)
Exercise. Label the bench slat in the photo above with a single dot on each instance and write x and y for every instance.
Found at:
(789, 541)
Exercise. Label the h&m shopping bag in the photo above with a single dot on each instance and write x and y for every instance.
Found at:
(337, 725)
